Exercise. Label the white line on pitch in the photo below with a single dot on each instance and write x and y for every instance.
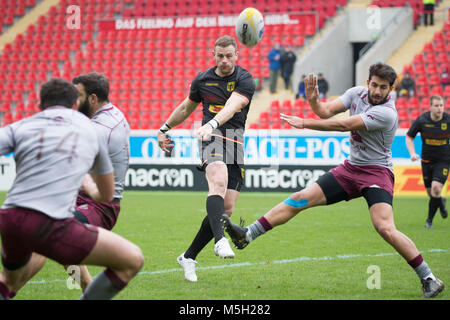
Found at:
(249, 264)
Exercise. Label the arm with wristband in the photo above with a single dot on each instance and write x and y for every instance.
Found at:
(235, 103)
(181, 113)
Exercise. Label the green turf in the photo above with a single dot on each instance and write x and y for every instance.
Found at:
(323, 253)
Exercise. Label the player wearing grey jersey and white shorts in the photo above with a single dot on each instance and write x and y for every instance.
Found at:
(367, 172)
(53, 150)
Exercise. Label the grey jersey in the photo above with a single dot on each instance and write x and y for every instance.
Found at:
(53, 150)
(371, 147)
(114, 132)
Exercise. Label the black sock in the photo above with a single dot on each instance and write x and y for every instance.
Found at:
(215, 207)
(433, 205)
(442, 204)
(204, 235)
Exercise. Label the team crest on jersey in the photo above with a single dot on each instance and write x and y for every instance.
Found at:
(215, 108)
(230, 86)
(444, 126)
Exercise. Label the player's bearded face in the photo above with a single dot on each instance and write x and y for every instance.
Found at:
(379, 90)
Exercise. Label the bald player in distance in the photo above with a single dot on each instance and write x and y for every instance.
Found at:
(368, 172)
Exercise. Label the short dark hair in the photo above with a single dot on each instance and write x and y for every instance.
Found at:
(94, 83)
(225, 41)
(383, 71)
(58, 92)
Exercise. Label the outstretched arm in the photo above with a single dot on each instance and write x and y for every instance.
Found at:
(349, 124)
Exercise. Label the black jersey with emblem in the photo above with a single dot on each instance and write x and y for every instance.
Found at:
(213, 91)
(435, 136)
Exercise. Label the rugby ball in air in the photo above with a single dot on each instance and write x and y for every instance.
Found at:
(250, 27)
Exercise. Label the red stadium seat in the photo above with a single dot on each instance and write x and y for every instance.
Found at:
(413, 102)
(276, 125)
(414, 114)
(432, 68)
(404, 124)
(428, 47)
(442, 58)
(264, 116)
(418, 58)
(5, 107)
(429, 58)
(438, 36)
(436, 90)
(400, 102)
(20, 107)
(421, 80)
(18, 116)
(403, 114)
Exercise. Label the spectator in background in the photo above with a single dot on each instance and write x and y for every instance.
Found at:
(445, 77)
(301, 88)
(396, 92)
(407, 86)
(323, 86)
(274, 56)
(288, 58)
(428, 11)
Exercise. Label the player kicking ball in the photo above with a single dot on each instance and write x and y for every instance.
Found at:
(367, 173)
(225, 92)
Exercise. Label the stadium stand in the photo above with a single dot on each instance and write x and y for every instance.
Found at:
(150, 69)
(12, 10)
(426, 68)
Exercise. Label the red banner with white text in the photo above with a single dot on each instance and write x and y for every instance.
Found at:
(201, 22)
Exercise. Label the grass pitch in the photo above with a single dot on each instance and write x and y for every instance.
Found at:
(323, 253)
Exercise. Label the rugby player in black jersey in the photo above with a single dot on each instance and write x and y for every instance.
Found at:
(225, 92)
(434, 128)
